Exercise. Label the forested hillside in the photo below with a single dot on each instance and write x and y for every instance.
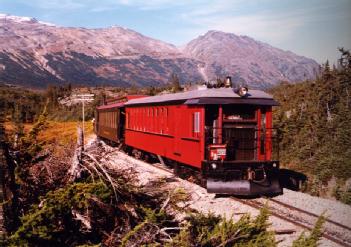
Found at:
(314, 120)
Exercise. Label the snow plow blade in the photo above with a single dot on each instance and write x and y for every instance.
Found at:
(243, 187)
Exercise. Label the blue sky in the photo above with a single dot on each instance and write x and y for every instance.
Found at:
(313, 28)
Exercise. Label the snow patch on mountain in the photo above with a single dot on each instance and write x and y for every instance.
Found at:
(22, 19)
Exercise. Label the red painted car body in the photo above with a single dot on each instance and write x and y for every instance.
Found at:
(167, 130)
(225, 136)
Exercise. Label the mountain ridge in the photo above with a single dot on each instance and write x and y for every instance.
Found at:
(35, 53)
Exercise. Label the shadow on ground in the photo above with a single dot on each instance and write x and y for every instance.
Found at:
(292, 180)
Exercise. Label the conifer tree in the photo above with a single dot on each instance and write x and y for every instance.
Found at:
(174, 80)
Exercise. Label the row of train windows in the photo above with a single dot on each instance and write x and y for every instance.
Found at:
(150, 112)
(149, 119)
(156, 120)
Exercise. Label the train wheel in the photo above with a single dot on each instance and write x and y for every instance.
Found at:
(203, 182)
(176, 169)
(137, 154)
(146, 158)
(128, 150)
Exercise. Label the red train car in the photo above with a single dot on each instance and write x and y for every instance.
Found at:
(226, 136)
(224, 133)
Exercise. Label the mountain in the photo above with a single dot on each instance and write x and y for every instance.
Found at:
(35, 54)
(248, 60)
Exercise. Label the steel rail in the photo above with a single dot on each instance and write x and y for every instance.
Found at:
(309, 213)
(257, 205)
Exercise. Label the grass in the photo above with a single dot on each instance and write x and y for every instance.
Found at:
(10, 127)
(63, 133)
(56, 135)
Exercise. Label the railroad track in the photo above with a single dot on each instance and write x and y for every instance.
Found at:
(296, 220)
(309, 213)
(291, 218)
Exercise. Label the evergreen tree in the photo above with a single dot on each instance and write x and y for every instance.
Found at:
(174, 80)
(314, 121)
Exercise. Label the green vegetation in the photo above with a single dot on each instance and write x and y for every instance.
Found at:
(211, 230)
(87, 213)
(312, 239)
(52, 222)
(25, 106)
(314, 119)
(21, 105)
(175, 84)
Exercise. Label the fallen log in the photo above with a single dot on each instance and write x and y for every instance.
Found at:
(75, 171)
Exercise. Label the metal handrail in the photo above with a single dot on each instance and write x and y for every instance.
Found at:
(250, 142)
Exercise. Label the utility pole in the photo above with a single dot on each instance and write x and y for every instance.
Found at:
(83, 98)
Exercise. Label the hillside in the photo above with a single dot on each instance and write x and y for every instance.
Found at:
(36, 54)
(314, 119)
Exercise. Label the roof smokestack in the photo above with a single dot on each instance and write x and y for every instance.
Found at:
(228, 82)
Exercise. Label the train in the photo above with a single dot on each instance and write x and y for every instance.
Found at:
(226, 134)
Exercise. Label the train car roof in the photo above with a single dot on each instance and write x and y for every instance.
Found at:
(110, 106)
(208, 96)
(118, 102)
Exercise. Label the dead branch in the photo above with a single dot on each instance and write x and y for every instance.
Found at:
(232, 239)
(75, 172)
(83, 219)
(166, 202)
(114, 185)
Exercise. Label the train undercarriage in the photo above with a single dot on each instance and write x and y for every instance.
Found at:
(229, 178)
(243, 178)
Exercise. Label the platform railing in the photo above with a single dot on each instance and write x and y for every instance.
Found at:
(245, 143)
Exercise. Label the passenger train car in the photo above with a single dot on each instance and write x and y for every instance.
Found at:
(225, 134)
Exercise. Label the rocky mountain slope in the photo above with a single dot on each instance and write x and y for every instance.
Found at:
(248, 60)
(35, 54)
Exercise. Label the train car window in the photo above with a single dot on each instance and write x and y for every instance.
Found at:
(137, 117)
(239, 114)
(107, 119)
(145, 119)
(131, 119)
(263, 133)
(110, 114)
(196, 122)
(111, 119)
(127, 120)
